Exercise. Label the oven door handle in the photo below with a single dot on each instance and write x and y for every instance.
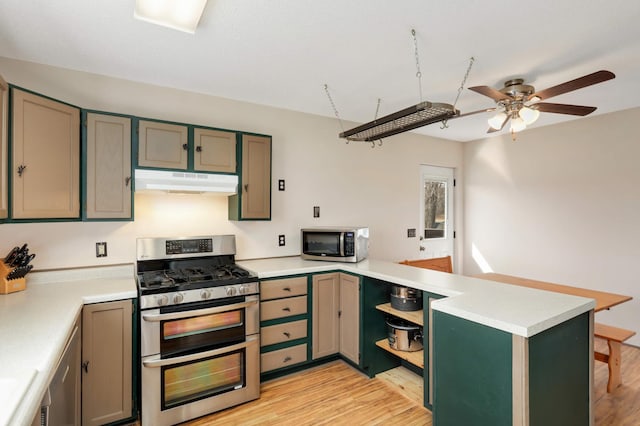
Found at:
(197, 312)
(194, 357)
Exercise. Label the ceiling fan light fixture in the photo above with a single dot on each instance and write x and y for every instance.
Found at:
(517, 124)
(529, 115)
(496, 121)
(181, 15)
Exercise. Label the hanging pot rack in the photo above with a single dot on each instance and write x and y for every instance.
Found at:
(410, 118)
(419, 115)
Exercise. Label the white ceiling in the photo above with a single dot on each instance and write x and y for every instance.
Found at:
(282, 52)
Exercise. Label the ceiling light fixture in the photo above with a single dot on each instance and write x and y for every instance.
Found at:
(182, 15)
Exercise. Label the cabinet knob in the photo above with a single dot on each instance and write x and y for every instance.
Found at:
(21, 168)
(287, 359)
(198, 148)
(185, 147)
(286, 309)
(85, 366)
(127, 180)
(246, 187)
(287, 334)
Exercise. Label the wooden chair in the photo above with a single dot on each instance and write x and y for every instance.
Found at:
(442, 264)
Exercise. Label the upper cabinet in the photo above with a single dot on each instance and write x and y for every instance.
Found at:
(163, 145)
(169, 146)
(4, 210)
(108, 171)
(215, 151)
(45, 158)
(253, 200)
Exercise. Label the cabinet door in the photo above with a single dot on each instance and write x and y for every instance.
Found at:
(215, 151)
(256, 177)
(4, 211)
(46, 154)
(108, 167)
(350, 317)
(162, 145)
(106, 360)
(325, 320)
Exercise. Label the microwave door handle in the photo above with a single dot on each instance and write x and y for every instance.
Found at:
(342, 244)
(194, 357)
(197, 312)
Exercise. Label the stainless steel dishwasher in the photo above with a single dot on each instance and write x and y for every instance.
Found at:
(61, 403)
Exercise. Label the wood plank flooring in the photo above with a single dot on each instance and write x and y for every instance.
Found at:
(337, 394)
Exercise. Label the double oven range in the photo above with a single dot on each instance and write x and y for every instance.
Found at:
(199, 328)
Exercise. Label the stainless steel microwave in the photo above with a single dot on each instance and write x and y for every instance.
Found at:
(338, 244)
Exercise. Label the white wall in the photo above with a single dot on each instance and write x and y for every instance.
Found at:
(560, 204)
(353, 184)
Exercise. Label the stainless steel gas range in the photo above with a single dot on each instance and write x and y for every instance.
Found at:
(199, 328)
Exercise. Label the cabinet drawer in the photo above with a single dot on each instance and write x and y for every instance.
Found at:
(283, 332)
(283, 358)
(281, 308)
(285, 287)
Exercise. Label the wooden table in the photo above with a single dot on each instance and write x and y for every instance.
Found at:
(603, 299)
(614, 336)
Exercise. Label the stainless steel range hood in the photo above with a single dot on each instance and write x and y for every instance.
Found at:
(186, 182)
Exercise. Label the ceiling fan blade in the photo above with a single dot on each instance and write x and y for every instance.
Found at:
(564, 108)
(492, 130)
(578, 83)
(494, 94)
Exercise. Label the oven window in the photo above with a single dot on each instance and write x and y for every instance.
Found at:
(202, 379)
(201, 324)
(187, 335)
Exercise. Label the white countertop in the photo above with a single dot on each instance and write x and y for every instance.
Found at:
(517, 310)
(35, 324)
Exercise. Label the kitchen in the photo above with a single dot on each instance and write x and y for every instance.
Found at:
(306, 145)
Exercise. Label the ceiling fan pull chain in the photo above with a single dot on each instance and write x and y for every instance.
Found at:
(333, 105)
(418, 73)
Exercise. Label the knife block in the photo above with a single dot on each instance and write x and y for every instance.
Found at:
(10, 286)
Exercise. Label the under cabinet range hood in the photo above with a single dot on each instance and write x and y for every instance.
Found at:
(185, 182)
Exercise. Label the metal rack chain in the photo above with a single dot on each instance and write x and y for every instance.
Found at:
(418, 72)
(464, 81)
(333, 105)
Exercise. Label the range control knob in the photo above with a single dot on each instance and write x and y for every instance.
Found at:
(205, 294)
(178, 298)
(162, 300)
(230, 291)
(242, 289)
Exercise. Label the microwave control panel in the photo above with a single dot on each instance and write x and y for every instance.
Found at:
(349, 244)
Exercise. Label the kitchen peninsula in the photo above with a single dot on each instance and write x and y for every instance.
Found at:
(499, 354)
(487, 337)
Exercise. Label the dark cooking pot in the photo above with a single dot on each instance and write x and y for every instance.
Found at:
(405, 298)
(403, 335)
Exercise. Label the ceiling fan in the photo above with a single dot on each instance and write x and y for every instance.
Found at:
(520, 103)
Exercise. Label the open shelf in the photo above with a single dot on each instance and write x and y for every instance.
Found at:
(416, 317)
(416, 358)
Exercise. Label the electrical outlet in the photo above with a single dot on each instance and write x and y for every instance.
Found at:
(101, 249)
(411, 233)
(280, 240)
(316, 211)
(281, 185)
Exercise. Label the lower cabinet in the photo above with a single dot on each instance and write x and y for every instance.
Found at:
(336, 316)
(107, 362)
(283, 323)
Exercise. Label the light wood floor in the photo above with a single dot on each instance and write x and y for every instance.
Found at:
(337, 394)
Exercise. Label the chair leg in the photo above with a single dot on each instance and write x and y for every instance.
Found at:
(614, 366)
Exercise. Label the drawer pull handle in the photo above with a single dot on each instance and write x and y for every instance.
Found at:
(287, 334)
(286, 289)
(286, 309)
(287, 359)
